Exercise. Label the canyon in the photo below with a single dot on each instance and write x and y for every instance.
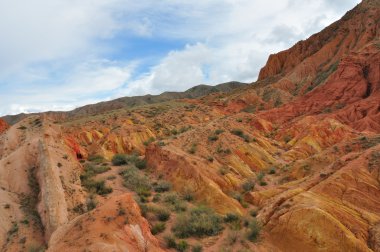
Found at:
(290, 162)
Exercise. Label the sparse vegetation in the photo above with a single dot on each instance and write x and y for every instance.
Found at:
(141, 164)
(272, 171)
(150, 140)
(90, 184)
(218, 131)
(119, 159)
(182, 246)
(162, 186)
(237, 132)
(96, 159)
(240, 133)
(231, 217)
(287, 138)
(193, 149)
(170, 242)
(162, 214)
(174, 201)
(260, 179)
(91, 202)
(199, 222)
(28, 202)
(158, 228)
(213, 138)
(197, 248)
(254, 229)
(13, 230)
(223, 170)
(248, 185)
(136, 181)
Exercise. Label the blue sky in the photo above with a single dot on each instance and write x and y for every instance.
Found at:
(60, 54)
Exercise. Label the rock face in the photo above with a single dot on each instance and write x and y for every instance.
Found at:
(3, 126)
(109, 231)
(353, 92)
(298, 151)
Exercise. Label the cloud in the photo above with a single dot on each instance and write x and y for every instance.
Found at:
(177, 71)
(61, 54)
(87, 83)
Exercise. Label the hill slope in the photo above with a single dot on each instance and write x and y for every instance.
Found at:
(290, 163)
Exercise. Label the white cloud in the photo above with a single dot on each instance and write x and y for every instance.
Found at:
(83, 86)
(58, 54)
(177, 71)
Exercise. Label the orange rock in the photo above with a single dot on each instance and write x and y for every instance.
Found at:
(3, 126)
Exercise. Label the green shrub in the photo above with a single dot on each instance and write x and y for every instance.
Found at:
(199, 222)
(223, 170)
(156, 197)
(158, 228)
(119, 159)
(91, 185)
(248, 185)
(143, 208)
(174, 201)
(162, 186)
(140, 164)
(260, 176)
(13, 230)
(188, 197)
(136, 181)
(253, 213)
(231, 217)
(96, 158)
(193, 149)
(97, 187)
(240, 133)
(162, 214)
(150, 140)
(79, 208)
(272, 170)
(263, 183)
(182, 246)
(213, 138)
(28, 202)
(254, 229)
(237, 132)
(287, 138)
(91, 170)
(197, 248)
(218, 131)
(36, 249)
(91, 203)
(170, 242)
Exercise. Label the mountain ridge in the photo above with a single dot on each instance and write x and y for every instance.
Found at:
(133, 101)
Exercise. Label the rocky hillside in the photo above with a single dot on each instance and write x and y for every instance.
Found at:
(289, 163)
(135, 101)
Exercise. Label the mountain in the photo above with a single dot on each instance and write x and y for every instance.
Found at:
(288, 163)
(130, 102)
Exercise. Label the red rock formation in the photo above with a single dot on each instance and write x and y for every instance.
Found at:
(301, 63)
(351, 94)
(3, 126)
(109, 230)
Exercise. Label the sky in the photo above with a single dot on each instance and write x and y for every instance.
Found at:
(61, 54)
